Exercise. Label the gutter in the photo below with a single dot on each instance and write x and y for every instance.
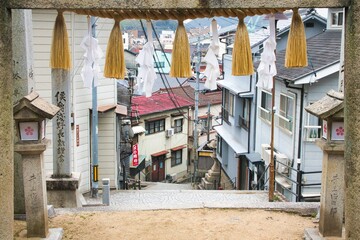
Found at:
(287, 84)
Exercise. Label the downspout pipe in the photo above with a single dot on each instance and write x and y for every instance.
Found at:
(302, 91)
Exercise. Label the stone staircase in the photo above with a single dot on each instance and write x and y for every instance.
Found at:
(211, 179)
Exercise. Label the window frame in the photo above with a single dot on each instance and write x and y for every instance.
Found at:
(265, 111)
(244, 117)
(286, 114)
(219, 145)
(155, 126)
(176, 160)
(228, 105)
(178, 128)
(337, 19)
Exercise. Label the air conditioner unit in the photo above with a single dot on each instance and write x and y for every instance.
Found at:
(169, 132)
(282, 158)
(267, 156)
(264, 147)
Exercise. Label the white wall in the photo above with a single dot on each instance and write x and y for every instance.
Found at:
(43, 22)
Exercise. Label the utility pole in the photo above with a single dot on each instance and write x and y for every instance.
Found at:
(196, 119)
(94, 131)
(208, 123)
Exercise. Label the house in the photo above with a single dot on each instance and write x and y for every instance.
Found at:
(164, 116)
(81, 97)
(239, 134)
(295, 130)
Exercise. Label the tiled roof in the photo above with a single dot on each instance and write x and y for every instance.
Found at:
(187, 92)
(323, 50)
(158, 102)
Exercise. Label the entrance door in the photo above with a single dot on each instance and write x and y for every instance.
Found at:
(158, 169)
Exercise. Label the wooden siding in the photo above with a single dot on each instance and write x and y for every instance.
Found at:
(43, 22)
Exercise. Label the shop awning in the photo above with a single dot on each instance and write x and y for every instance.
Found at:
(178, 148)
(117, 108)
(136, 169)
(138, 129)
(159, 153)
(254, 157)
(233, 86)
(231, 141)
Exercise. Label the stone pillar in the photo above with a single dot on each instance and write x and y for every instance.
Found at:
(34, 188)
(352, 121)
(23, 83)
(332, 189)
(6, 123)
(60, 79)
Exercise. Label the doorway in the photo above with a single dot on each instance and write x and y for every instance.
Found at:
(158, 168)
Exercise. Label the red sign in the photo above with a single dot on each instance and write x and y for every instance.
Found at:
(135, 152)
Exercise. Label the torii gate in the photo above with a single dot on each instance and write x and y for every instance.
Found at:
(352, 83)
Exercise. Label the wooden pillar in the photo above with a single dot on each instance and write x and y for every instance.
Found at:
(352, 120)
(6, 123)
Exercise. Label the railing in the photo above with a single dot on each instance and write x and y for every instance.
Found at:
(265, 114)
(298, 182)
(285, 123)
(262, 177)
(312, 133)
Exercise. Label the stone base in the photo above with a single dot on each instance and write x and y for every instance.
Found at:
(54, 234)
(313, 234)
(22, 217)
(63, 192)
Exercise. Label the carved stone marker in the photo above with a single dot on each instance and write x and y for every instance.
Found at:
(30, 116)
(331, 110)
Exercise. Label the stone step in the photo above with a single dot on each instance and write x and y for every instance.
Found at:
(206, 184)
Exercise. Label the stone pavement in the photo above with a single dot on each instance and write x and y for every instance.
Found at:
(129, 200)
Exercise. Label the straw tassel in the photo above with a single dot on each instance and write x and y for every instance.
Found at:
(180, 60)
(115, 61)
(60, 50)
(241, 57)
(296, 55)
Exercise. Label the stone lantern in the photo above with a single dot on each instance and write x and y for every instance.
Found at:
(30, 115)
(331, 110)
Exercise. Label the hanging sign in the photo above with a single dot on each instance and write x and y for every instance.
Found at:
(135, 152)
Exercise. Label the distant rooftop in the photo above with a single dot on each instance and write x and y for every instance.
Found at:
(323, 50)
(188, 92)
(158, 102)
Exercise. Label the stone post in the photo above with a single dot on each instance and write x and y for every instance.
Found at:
(332, 189)
(6, 120)
(23, 83)
(60, 79)
(35, 188)
(352, 121)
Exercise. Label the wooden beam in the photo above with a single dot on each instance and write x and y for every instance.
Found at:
(172, 4)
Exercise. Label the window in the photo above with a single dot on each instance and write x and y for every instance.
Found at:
(337, 18)
(176, 157)
(228, 105)
(219, 145)
(286, 112)
(155, 126)
(313, 127)
(244, 118)
(178, 125)
(159, 64)
(265, 107)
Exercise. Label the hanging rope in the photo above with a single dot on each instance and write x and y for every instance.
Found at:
(296, 55)
(60, 50)
(115, 60)
(241, 57)
(180, 60)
